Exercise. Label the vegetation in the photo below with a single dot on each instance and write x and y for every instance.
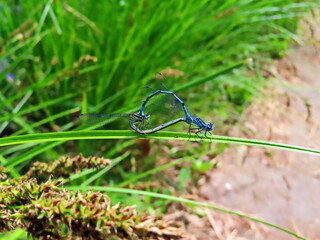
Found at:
(59, 58)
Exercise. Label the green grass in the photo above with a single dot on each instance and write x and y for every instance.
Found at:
(132, 42)
(76, 56)
(129, 134)
(65, 136)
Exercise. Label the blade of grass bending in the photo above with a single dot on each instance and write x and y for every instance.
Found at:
(13, 171)
(183, 200)
(31, 153)
(75, 176)
(16, 109)
(55, 21)
(11, 150)
(125, 134)
(108, 155)
(119, 147)
(44, 16)
(210, 77)
(51, 118)
(40, 106)
(154, 170)
(42, 83)
(35, 151)
(83, 19)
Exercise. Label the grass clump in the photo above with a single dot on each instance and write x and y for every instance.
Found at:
(47, 212)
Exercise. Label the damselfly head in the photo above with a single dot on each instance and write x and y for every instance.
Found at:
(209, 127)
(147, 116)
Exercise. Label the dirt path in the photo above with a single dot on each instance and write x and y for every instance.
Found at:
(277, 186)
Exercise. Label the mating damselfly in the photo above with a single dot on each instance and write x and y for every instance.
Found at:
(192, 121)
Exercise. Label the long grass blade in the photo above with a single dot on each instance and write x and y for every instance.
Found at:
(125, 134)
(183, 200)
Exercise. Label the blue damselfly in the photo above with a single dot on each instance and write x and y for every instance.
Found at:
(192, 121)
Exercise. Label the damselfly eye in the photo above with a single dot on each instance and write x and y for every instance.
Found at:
(147, 116)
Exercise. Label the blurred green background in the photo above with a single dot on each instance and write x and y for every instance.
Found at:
(60, 58)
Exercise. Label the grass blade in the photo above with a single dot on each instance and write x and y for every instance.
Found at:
(124, 134)
(183, 200)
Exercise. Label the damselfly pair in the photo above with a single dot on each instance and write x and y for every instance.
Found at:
(138, 121)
